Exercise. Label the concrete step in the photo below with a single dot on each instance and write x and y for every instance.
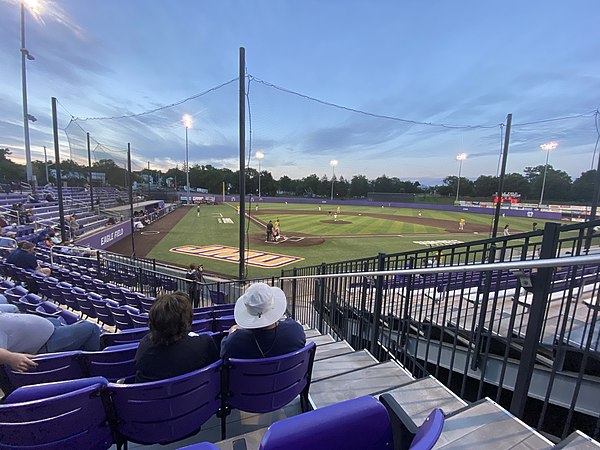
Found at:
(311, 332)
(321, 339)
(420, 397)
(333, 349)
(337, 365)
(368, 381)
(578, 440)
(486, 425)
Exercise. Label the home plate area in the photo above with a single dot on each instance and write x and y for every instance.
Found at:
(231, 254)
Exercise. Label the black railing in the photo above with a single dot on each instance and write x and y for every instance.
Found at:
(515, 319)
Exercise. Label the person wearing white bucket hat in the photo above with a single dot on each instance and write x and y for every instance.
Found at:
(259, 332)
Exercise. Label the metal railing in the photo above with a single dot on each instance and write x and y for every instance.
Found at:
(515, 319)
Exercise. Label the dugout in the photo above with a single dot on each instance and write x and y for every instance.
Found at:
(391, 197)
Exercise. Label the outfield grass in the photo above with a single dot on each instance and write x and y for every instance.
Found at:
(208, 230)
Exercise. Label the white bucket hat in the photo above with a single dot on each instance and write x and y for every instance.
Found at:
(261, 306)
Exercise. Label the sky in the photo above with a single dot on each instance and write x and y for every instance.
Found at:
(385, 88)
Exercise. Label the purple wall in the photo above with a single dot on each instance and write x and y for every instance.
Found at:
(534, 214)
(108, 236)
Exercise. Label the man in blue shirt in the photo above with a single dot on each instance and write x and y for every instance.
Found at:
(24, 257)
(259, 332)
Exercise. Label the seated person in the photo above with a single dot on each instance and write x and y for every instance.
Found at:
(259, 332)
(7, 307)
(24, 257)
(169, 349)
(48, 242)
(28, 333)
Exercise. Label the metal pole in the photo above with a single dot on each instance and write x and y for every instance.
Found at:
(535, 323)
(187, 166)
(332, 178)
(89, 149)
(544, 179)
(46, 162)
(242, 179)
(258, 177)
(61, 208)
(24, 55)
(458, 181)
(130, 190)
(501, 179)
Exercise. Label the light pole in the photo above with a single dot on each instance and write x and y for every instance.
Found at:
(259, 155)
(25, 55)
(460, 158)
(333, 163)
(187, 121)
(547, 147)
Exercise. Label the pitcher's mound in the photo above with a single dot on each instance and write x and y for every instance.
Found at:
(295, 240)
(336, 222)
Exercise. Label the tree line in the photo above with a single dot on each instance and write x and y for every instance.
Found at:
(558, 186)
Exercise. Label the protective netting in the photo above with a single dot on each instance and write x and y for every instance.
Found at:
(301, 134)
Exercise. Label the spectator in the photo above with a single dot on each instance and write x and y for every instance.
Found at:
(194, 275)
(169, 350)
(28, 333)
(506, 231)
(259, 332)
(24, 257)
(49, 197)
(7, 307)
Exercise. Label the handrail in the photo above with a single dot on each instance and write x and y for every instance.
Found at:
(525, 264)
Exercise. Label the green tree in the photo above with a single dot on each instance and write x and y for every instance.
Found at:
(359, 186)
(485, 186)
(583, 187)
(9, 170)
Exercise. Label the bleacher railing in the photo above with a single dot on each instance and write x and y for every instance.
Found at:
(515, 319)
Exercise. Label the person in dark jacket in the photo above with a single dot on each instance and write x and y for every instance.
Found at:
(170, 350)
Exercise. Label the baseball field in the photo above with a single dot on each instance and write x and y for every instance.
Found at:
(309, 234)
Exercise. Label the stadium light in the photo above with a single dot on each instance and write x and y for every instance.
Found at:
(460, 158)
(259, 155)
(547, 147)
(187, 122)
(332, 163)
(35, 7)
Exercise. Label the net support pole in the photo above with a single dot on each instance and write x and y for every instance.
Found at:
(61, 207)
(501, 178)
(130, 191)
(89, 149)
(242, 180)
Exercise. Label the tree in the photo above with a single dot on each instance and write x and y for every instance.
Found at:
(582, 189)
(466, 186)
(485, 186)
(515, 182)
(9, 170)
(359, 186)
(557, 186)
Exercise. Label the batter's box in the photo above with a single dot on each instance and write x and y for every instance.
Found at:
(266, 260)
(295, 238)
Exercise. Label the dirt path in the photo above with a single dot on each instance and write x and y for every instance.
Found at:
(450, 226)
(147, 239)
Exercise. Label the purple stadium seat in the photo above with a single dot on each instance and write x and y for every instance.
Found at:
(124, 337)
(111, 363)
(359, 424)
(28, 303)
(14, 294)
(103, 314)
(199, 326)
(267, 384)
(200, 446)
(51, 367)
(139, 320)
(168, 410)
(407, 436)
(59, 415)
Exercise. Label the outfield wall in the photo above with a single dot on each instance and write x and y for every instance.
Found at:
(530, 213)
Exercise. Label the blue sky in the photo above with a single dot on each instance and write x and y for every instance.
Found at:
(443, 62)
